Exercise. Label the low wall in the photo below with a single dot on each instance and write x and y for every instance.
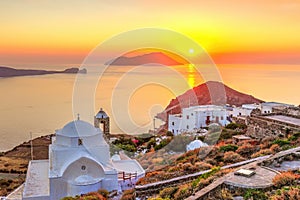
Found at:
(261, 127)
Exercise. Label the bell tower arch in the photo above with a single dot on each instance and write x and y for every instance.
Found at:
(101, 120)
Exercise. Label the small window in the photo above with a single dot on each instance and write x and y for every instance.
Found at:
(79, 142)
(83, 167)
(192, 114)
(222, 118)
(172, 130)
(187, 127)
(187, 117)
(173, 123)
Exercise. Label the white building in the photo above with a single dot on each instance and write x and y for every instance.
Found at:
(267, 107)
(195, 145)
(79, 162)
(245, 109)
(197, 117)
(174, 123)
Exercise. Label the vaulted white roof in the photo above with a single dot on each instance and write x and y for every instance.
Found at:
(78, 128)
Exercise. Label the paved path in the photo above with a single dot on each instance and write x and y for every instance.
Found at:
(221, 180)
(190, 176)
(150, 185)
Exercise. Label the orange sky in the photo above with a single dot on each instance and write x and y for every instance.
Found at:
(232, 31)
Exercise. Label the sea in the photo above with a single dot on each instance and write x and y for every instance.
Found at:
(131, 96)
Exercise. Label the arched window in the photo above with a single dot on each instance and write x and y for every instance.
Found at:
(80, 142)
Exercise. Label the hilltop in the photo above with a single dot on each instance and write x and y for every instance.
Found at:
(155, 57)
(201, 95)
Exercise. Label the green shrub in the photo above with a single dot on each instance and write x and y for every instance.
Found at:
(232, 157)
(291, 193)
(294, 137)
(281, 142)
(232, 126)
(285, 179)
(255, 194)
(228, 147)
(170, 134)
(168, 192)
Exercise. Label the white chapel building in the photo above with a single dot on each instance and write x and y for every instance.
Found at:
(196, 117)
(79, 162)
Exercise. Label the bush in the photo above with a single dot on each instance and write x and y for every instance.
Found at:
(275, 148)
(223, 194)
(246, 149)
(285, 179)
(262, 152)
(228, 147)
(232, 126)
(255, 194)
(281, 142)
(203, 166)
(182, 192)
(232, 157)
(170, 134)
(292, 193)
(168, 192)
(162, 144)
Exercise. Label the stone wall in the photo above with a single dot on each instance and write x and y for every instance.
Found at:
(290, 111)
(260, 127)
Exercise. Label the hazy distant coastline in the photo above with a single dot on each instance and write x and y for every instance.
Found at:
(11, 72)
(154, 58)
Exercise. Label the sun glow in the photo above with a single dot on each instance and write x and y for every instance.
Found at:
(191, 75)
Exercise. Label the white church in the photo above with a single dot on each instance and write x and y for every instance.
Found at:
(79, 162)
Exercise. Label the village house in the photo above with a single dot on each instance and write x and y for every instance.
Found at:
(197, 117)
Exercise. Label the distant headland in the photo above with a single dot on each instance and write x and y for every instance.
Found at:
(11, 72)
(154, 58)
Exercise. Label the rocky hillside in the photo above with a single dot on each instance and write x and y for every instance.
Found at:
(208, 93)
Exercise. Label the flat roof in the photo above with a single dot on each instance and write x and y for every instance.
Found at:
(128, 166)
(37, 180)
(283, 118)
(205, 107)
(242, 137)
(245, 172)
(275, 104)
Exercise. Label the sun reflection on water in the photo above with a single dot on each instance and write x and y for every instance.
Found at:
(191, 75)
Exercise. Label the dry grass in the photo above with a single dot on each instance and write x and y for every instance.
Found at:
(14, 163)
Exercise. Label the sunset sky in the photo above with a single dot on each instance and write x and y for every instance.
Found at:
(232, 31)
